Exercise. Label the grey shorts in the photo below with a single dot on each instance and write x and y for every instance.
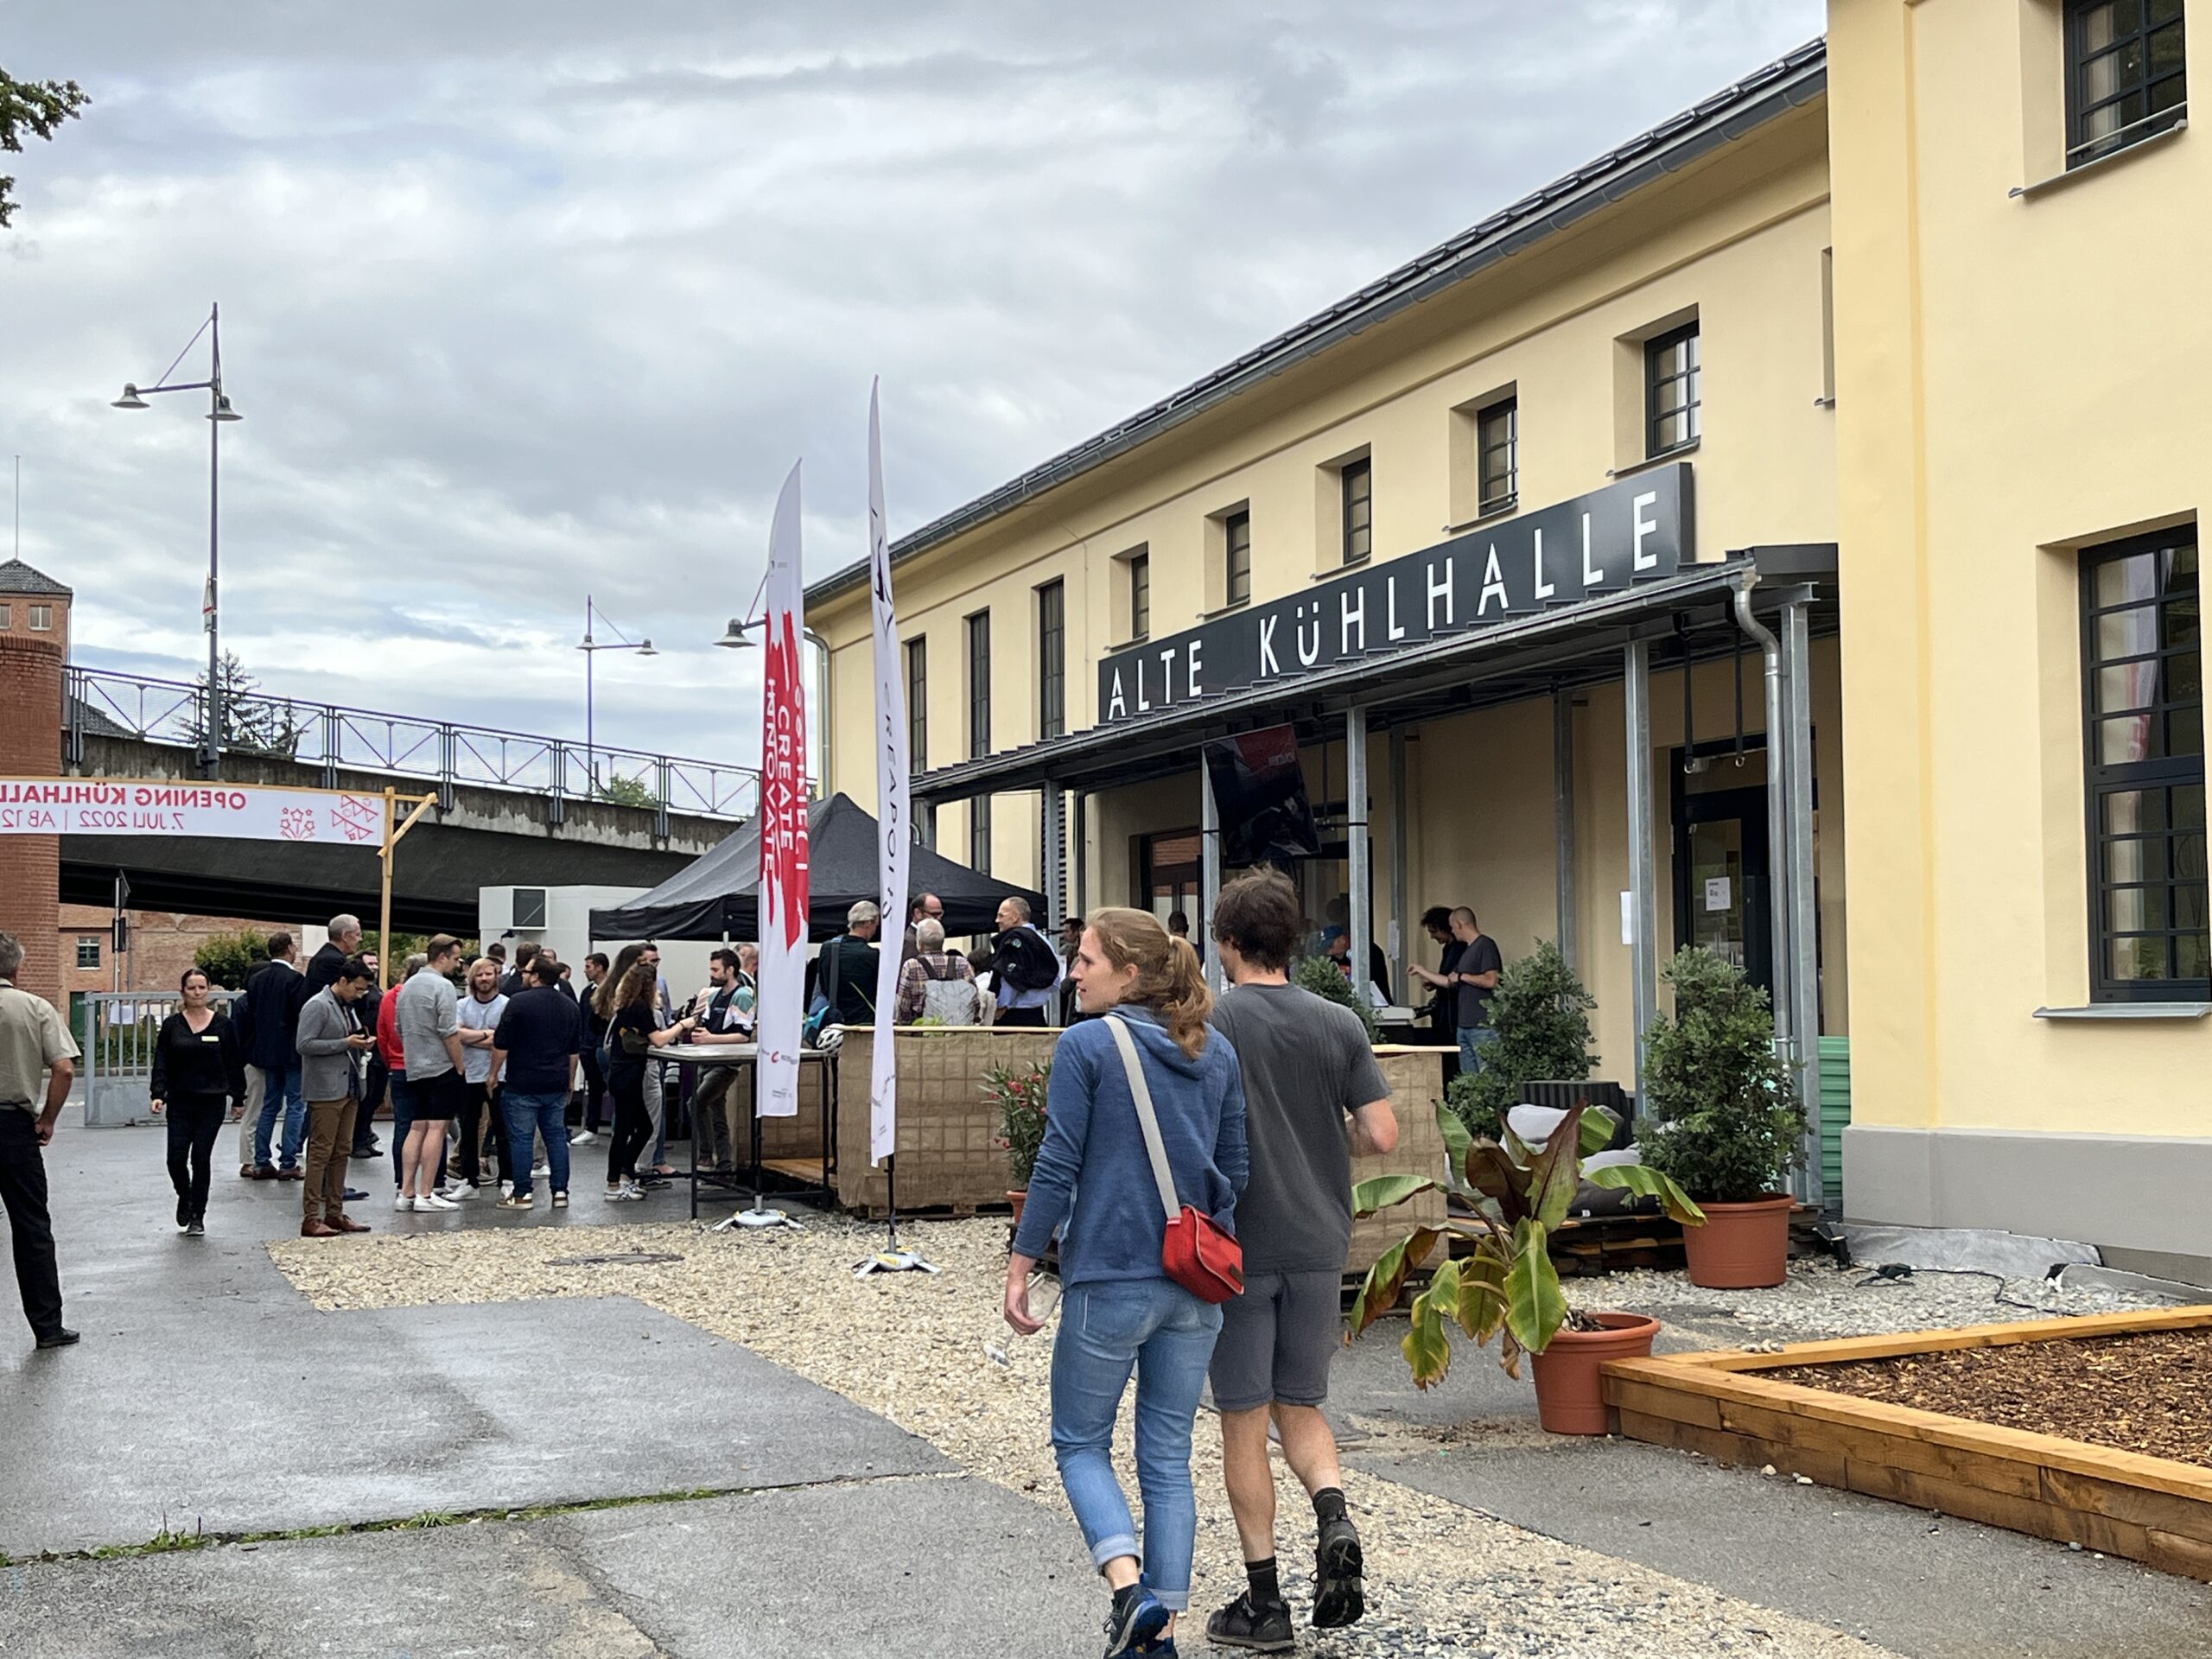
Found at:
(1277, 1339)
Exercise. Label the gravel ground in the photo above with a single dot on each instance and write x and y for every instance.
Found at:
(1822, 1299)
(1445, 1579)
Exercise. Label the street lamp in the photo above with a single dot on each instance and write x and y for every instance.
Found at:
(738, 637)
(591, 647)
(218, 412)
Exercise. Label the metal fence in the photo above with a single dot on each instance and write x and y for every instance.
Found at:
(118, 1032)
(103, 704)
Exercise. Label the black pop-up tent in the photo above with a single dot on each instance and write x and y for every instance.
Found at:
(717, 895)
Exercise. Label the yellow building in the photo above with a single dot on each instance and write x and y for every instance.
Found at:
(1527, 547)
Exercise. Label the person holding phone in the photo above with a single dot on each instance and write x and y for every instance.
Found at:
(199, 1072)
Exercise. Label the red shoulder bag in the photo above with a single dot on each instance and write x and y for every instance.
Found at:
(1196, 1251)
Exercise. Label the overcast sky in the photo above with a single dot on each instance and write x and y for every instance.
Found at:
(524, 299)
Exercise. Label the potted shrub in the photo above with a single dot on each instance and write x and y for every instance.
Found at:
(1507, 1288)
(1541, 1014)
(1321, 976)
(1020, 1096)
(1723, 1121)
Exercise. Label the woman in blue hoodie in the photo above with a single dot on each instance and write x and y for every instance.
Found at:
(1094, 1184)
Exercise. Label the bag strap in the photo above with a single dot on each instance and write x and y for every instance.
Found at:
(1146, 1120)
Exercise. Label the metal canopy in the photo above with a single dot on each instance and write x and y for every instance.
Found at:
(1508, 661)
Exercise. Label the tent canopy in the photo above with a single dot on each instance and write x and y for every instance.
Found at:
(717, 895)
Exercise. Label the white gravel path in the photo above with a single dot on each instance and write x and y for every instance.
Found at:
(1445, 1579)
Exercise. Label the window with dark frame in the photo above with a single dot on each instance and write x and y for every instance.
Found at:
(1140, 597)
(979, 684)
(1672, 391)
(979, 835)
(1238, 538)
(88, 951)
(2143, 718)
(1052, 660)
(1498, 455)
(1357, 480)
(2126, 79)
(42, 618)
(529, 912)
(917, 704)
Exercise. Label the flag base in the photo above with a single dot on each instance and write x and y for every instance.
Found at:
(895, 1260)
(757, 1220)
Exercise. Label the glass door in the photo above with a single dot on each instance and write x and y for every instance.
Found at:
(1721, 890)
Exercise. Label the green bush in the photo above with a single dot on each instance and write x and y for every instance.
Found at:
(228, 958)
(1321, 976)
(1723, 1113)
(1541, 1014)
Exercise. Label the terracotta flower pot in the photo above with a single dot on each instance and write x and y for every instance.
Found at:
(1017, 1199)
(1570, 1395)
(1741, 1246)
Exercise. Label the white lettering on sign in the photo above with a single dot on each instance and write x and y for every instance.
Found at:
(1196, 668)
(1352, 612)
(1440, 590)
(1117, 706)
(1397, 629)
(1167, 675)
(1268, 663)
(1493, 584)
(1641, 527)
(1591, 575)
(78, 806)
(1144, 704)
(1543, 589)
(1309, 649)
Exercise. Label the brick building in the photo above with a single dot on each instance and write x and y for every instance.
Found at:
(34, 650)
(162, 946)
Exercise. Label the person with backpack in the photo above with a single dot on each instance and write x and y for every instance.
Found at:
(1144, 1116)
(845, 972)
(1024, 967)
(935, 983)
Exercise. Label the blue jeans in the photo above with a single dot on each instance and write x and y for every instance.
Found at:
(1473, 1039)
(529, 1116)
(281, 1088)
(1157, 1328)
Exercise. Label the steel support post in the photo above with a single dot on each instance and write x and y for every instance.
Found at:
(1361, 921)
(1804, 962)
(1401, 925)
(1643, 863)
(1078, 853)
(1052, 824)
(1563, 818)
(1208, 875)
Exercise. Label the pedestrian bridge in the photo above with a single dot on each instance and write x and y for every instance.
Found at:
(511, 808)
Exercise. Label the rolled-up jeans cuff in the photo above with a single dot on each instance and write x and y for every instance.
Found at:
(1108, 1550)
(1176, 1601)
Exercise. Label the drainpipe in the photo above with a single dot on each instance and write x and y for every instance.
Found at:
(1777, 816)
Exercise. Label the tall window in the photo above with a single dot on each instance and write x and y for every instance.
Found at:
(917, 704)
(88, 950)
(42, 618)
(1498, 455)
(1671, 391)
(1051, 660)
(6, 617)
(2143, 716)
(1140, 596)
(979, 835)
(2125, 77)
(1238, 537)
(1358, 479)
(979, 684)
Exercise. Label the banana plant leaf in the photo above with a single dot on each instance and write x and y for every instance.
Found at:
(1492, 1172)
(1426, 1344)
(1379, 1294)
(1380, 1192)
(1650, 1184)
(1557, 1171)
(1534, 1306)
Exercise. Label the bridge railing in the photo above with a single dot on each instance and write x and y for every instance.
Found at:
(103, 704)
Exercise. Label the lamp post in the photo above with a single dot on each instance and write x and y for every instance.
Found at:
(591, 647)
(737, 636)
(218, 411)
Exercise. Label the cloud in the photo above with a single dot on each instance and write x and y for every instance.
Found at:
(524, 302)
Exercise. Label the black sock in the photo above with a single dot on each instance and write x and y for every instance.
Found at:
(1265, 1590)
(1329, 1505)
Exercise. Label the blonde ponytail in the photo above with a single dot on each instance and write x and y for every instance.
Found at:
(1169, 980)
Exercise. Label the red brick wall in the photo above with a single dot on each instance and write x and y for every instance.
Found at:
(162, 946)
(30, 747)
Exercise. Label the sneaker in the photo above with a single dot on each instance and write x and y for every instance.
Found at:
(583, 1137)
(560, 1200)
(515, 1201)
(1137, 1618)
(403, 1203)
(652, 1183)
(1339, 1590)
(1243, 1624)
(540, 1171)
(195, 1229)
(183, 1210)
(457, 1192)
(436, 1201)
(624, 1194)
(354, 1195)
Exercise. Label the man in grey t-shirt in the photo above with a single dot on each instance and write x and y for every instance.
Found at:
(428, 1017)
(1313, 1097)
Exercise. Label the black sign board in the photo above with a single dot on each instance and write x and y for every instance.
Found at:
(1632, 531)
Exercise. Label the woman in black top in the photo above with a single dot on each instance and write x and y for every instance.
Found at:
(198, 1067)
(630, 1026)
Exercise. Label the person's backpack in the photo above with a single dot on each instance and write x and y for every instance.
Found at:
(1026, 960)
(948, 999)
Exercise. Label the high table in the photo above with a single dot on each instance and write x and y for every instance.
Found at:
(699, 1054)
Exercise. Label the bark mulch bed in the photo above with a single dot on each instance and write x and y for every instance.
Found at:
(2149, 1392)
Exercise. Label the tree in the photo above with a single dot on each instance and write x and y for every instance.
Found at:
(1541, 1014)
(626, 791)
(250, 720)
(228, 958)
(37, 107)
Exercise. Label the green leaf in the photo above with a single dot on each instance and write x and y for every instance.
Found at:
(1379, 1294)
(1426, 1345)
(1534, 1308)
(1457, 1139)
(1481, 1290)
(1557, 1171)
(1598, 1127)
(1651, 1184)
(1382, 1191)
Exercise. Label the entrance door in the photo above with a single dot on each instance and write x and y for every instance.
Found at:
(1722, 892)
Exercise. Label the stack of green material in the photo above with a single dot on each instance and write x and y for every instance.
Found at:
(1835, 1112)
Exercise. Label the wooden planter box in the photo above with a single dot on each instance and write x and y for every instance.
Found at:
(2149, 1509)
(949, 1159)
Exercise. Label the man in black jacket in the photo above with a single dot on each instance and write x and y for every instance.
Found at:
(274, 993)
(345, 942)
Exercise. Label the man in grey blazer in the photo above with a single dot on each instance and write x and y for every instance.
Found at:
(332, 1043)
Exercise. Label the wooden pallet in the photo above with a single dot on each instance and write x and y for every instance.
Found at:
(2151, 1509)
(958, 1211)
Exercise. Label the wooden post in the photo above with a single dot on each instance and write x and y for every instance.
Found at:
(393, 831)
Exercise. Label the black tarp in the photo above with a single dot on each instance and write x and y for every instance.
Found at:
(717, 896)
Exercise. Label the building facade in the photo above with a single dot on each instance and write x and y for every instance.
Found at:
(34, 653)
(1582, 560)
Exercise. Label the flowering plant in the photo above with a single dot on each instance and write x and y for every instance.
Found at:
(1020, 1096)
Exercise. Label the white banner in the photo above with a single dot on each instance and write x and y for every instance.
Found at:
(115, 806)
(894, 822)
(784, 893)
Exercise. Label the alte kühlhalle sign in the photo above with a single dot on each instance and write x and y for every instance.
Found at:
(1632, 531)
